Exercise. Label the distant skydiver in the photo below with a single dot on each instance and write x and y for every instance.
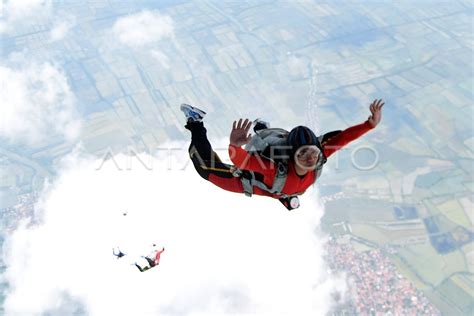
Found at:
(274, 163)
(152, 260)
(119, 254)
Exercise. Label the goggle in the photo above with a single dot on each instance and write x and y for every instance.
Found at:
(305, 153)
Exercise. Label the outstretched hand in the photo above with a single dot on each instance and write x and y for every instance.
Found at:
(240, 133)
(376, 110)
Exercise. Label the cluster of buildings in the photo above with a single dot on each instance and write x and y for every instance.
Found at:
(375, 285)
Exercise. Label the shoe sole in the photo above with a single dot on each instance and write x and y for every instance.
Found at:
(192, 108)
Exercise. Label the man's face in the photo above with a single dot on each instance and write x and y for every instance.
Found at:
(306, 157)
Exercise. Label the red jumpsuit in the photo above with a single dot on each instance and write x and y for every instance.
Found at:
(221, 175)
(158, 255)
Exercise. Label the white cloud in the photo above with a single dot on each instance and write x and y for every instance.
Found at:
(161, 58)
(143, 28)
(19, 14)
(61, 28)
(36, 103)
(225, 253)
(16, 12)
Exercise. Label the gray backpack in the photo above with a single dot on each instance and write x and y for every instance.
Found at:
(270, 143)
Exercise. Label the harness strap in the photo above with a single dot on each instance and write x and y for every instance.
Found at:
(280, 178)
(247, 178)
(249, 181)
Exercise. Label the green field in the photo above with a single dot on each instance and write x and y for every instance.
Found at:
(424, 261)
(465, 282)
(407, 272)
(457, 296)
(356, 210)
(369, 232)
(381, 235)
(442, 303)
(459, 217)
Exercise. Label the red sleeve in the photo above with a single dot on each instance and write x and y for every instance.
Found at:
(158, 255)
(243, 160)
(345, 137)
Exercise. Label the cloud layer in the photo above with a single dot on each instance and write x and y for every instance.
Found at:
(225, 253)
(140, 29)
(36, 103)
(15, 13)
